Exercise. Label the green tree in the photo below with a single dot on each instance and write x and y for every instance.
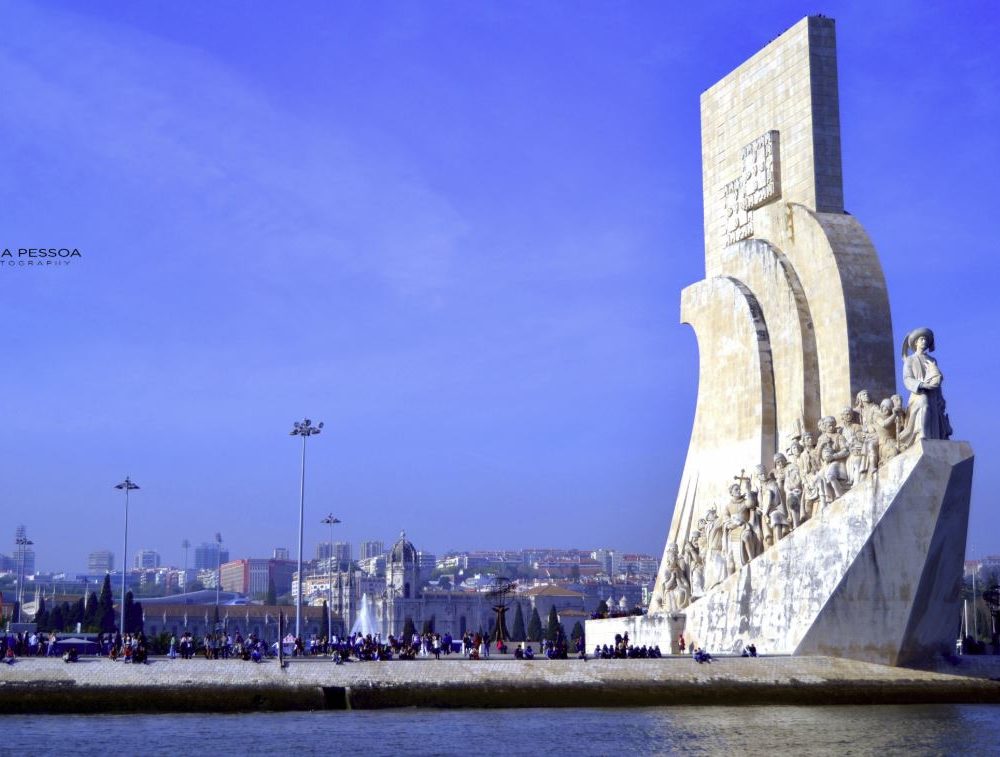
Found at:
(517, 632)
(91, 619)
(535, 626)
(272, 593)
(602, 609)
(428, 626)
(408, 628)
(106, 606)
(56, 619)
(41, 616)
(577, 632)
(324, 629)
(552, 628)
(133, 614)
(75, 614)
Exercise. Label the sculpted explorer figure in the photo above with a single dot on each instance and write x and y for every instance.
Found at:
(926, 416)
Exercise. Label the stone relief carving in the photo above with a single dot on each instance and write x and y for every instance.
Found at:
(738, 222)
(816, 469)
(758, 184)
(761, 180)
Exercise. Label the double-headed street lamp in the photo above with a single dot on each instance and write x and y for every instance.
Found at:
(305, 429)
(330, 520)
(127, 485)
(23, 542)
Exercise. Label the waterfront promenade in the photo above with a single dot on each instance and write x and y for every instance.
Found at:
(99, 685)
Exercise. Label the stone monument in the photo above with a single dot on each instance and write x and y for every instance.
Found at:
(816, 513)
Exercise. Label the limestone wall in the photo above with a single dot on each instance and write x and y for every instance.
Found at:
(793, 316)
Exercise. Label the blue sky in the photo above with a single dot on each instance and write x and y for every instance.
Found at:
(455, 232)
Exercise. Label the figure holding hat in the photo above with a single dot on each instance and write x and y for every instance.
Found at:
(926, 416)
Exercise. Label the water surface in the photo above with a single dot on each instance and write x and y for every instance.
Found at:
(774, 730)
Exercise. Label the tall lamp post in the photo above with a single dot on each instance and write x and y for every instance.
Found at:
(218, 571)
(23, 542)
(127, 485)
(330, 520)
(305, 429)
(185, 545)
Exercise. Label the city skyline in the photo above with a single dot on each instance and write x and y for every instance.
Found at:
(100, 560)
(455, 234)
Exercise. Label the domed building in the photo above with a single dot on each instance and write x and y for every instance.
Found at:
(402, 571)
(452, 611)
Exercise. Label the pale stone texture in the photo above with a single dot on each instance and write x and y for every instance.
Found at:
(792, 321)
(100, 686)
(874, 576)
(812, 325)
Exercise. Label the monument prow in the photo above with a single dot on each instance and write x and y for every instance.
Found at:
(847, 536)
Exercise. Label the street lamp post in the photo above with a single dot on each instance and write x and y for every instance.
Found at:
(305, 429)
(127, 485)
(330, 520)
(22, 542)
(185, 545)
(218, 571)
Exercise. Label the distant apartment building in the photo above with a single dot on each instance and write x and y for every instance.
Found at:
(208, 555)
(638, 564)
(100, 561)
(253, 576)
(988, 568)
(279, 553)
(147, 558)
(426, 561)
(608, 559)
(339, 550)
(371, 549)
(372, 566)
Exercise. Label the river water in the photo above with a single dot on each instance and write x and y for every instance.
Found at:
(733, 731)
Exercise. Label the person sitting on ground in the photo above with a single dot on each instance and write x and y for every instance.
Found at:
(752, 649)
(529, 653)
(71, 655)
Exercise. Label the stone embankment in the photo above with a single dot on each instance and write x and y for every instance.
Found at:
(99, 685)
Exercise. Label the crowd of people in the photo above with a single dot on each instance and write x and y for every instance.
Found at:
(135, 648)
(624, 650)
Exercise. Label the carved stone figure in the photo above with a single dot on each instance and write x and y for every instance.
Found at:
(868, 413)
(743, 542)
(715, 558)
(692, 557)
(885, 428)
(926, 416)
(770, 503)
(676, 586)
(834, 479)
(787, 473)
(854, 439)
(900, 412)
(809, 468)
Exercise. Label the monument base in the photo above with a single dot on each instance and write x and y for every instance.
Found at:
(875, 576)
(662, 630)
